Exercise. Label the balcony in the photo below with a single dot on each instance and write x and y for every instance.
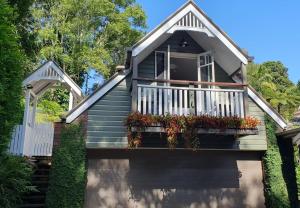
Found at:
(195, 98)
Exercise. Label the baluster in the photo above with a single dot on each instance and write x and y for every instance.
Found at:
(242, 104)
(198, 102)
(149, 101)
(231, 104)
(185, 102)
(180, 102)
(165, 101)
(155, 101)
(160, 102)
(213, 103)
(208, 100)
(203, 106)
(237, 106)
(175, 102)
(227, 104)
(170, 101)
(218, 103)
(222, 104)
(139, 99)
(144, 101)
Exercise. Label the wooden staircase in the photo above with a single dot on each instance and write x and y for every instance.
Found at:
(40, 179)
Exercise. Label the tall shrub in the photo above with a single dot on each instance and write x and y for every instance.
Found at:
(68, 172)
(14, 171)
(14, 180)
(11, 74)
(276, 192)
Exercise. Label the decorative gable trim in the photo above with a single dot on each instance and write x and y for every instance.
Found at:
(190, 22)
(51, 71)
(204, 25)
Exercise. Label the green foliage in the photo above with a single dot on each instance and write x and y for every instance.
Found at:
(68, 172)
(49, 111)
(276, 192)
(84, 34)
(271, 80)
(15, 180)
(11, 73)
(297, 168)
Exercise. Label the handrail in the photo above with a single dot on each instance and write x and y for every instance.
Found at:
(187, 82)
(191, 89)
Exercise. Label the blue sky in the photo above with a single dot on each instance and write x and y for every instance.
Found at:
(268, 29)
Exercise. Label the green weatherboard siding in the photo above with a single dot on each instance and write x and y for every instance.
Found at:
(106, 118)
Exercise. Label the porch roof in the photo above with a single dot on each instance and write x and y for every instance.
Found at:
(46, 76)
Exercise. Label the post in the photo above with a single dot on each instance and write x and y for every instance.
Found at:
(25, 121)
(192, 100)
(245, 82)
(71, 100)
(34, 111)
(134, 92)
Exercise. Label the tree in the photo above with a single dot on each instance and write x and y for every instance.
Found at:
(23, 20)
(271, 80)
(85, 34)
(14, 172)
(11, 74)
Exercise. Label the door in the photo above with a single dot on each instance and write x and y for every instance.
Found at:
(205, 99)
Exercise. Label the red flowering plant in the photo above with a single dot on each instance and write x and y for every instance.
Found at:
(188, 125)
(190, 132)
(173, 125)
(139, 122)
(250, 123)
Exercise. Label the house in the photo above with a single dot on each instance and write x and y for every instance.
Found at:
(186, 65)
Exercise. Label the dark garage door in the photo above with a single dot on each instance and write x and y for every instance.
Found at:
(163, 178)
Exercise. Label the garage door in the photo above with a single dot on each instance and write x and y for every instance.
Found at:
(163, 178)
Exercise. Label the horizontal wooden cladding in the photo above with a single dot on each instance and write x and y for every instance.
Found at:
(187, 82)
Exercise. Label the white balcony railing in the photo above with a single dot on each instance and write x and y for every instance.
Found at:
(162, 100)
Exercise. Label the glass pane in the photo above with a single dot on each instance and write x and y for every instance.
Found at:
(160, 65)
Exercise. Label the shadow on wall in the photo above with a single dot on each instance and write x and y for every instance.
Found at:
(171, 179)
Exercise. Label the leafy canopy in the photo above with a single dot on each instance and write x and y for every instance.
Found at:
(271, 80)
(84, 34)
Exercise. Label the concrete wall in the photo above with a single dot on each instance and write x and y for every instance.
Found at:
(162, 178)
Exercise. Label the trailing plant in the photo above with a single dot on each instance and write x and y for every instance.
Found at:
(174, 124)
(276, 192)
(68, 172)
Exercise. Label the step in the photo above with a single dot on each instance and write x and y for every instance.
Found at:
(32, 206)
(39, 176)
(39, 183)
(34, 199)
(42, 171)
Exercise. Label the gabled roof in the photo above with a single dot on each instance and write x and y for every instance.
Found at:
(190, 17)
(96, 95)
(47, 75)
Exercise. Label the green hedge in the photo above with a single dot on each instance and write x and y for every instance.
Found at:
(276, 192)
(68, 171)
(297, 168)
